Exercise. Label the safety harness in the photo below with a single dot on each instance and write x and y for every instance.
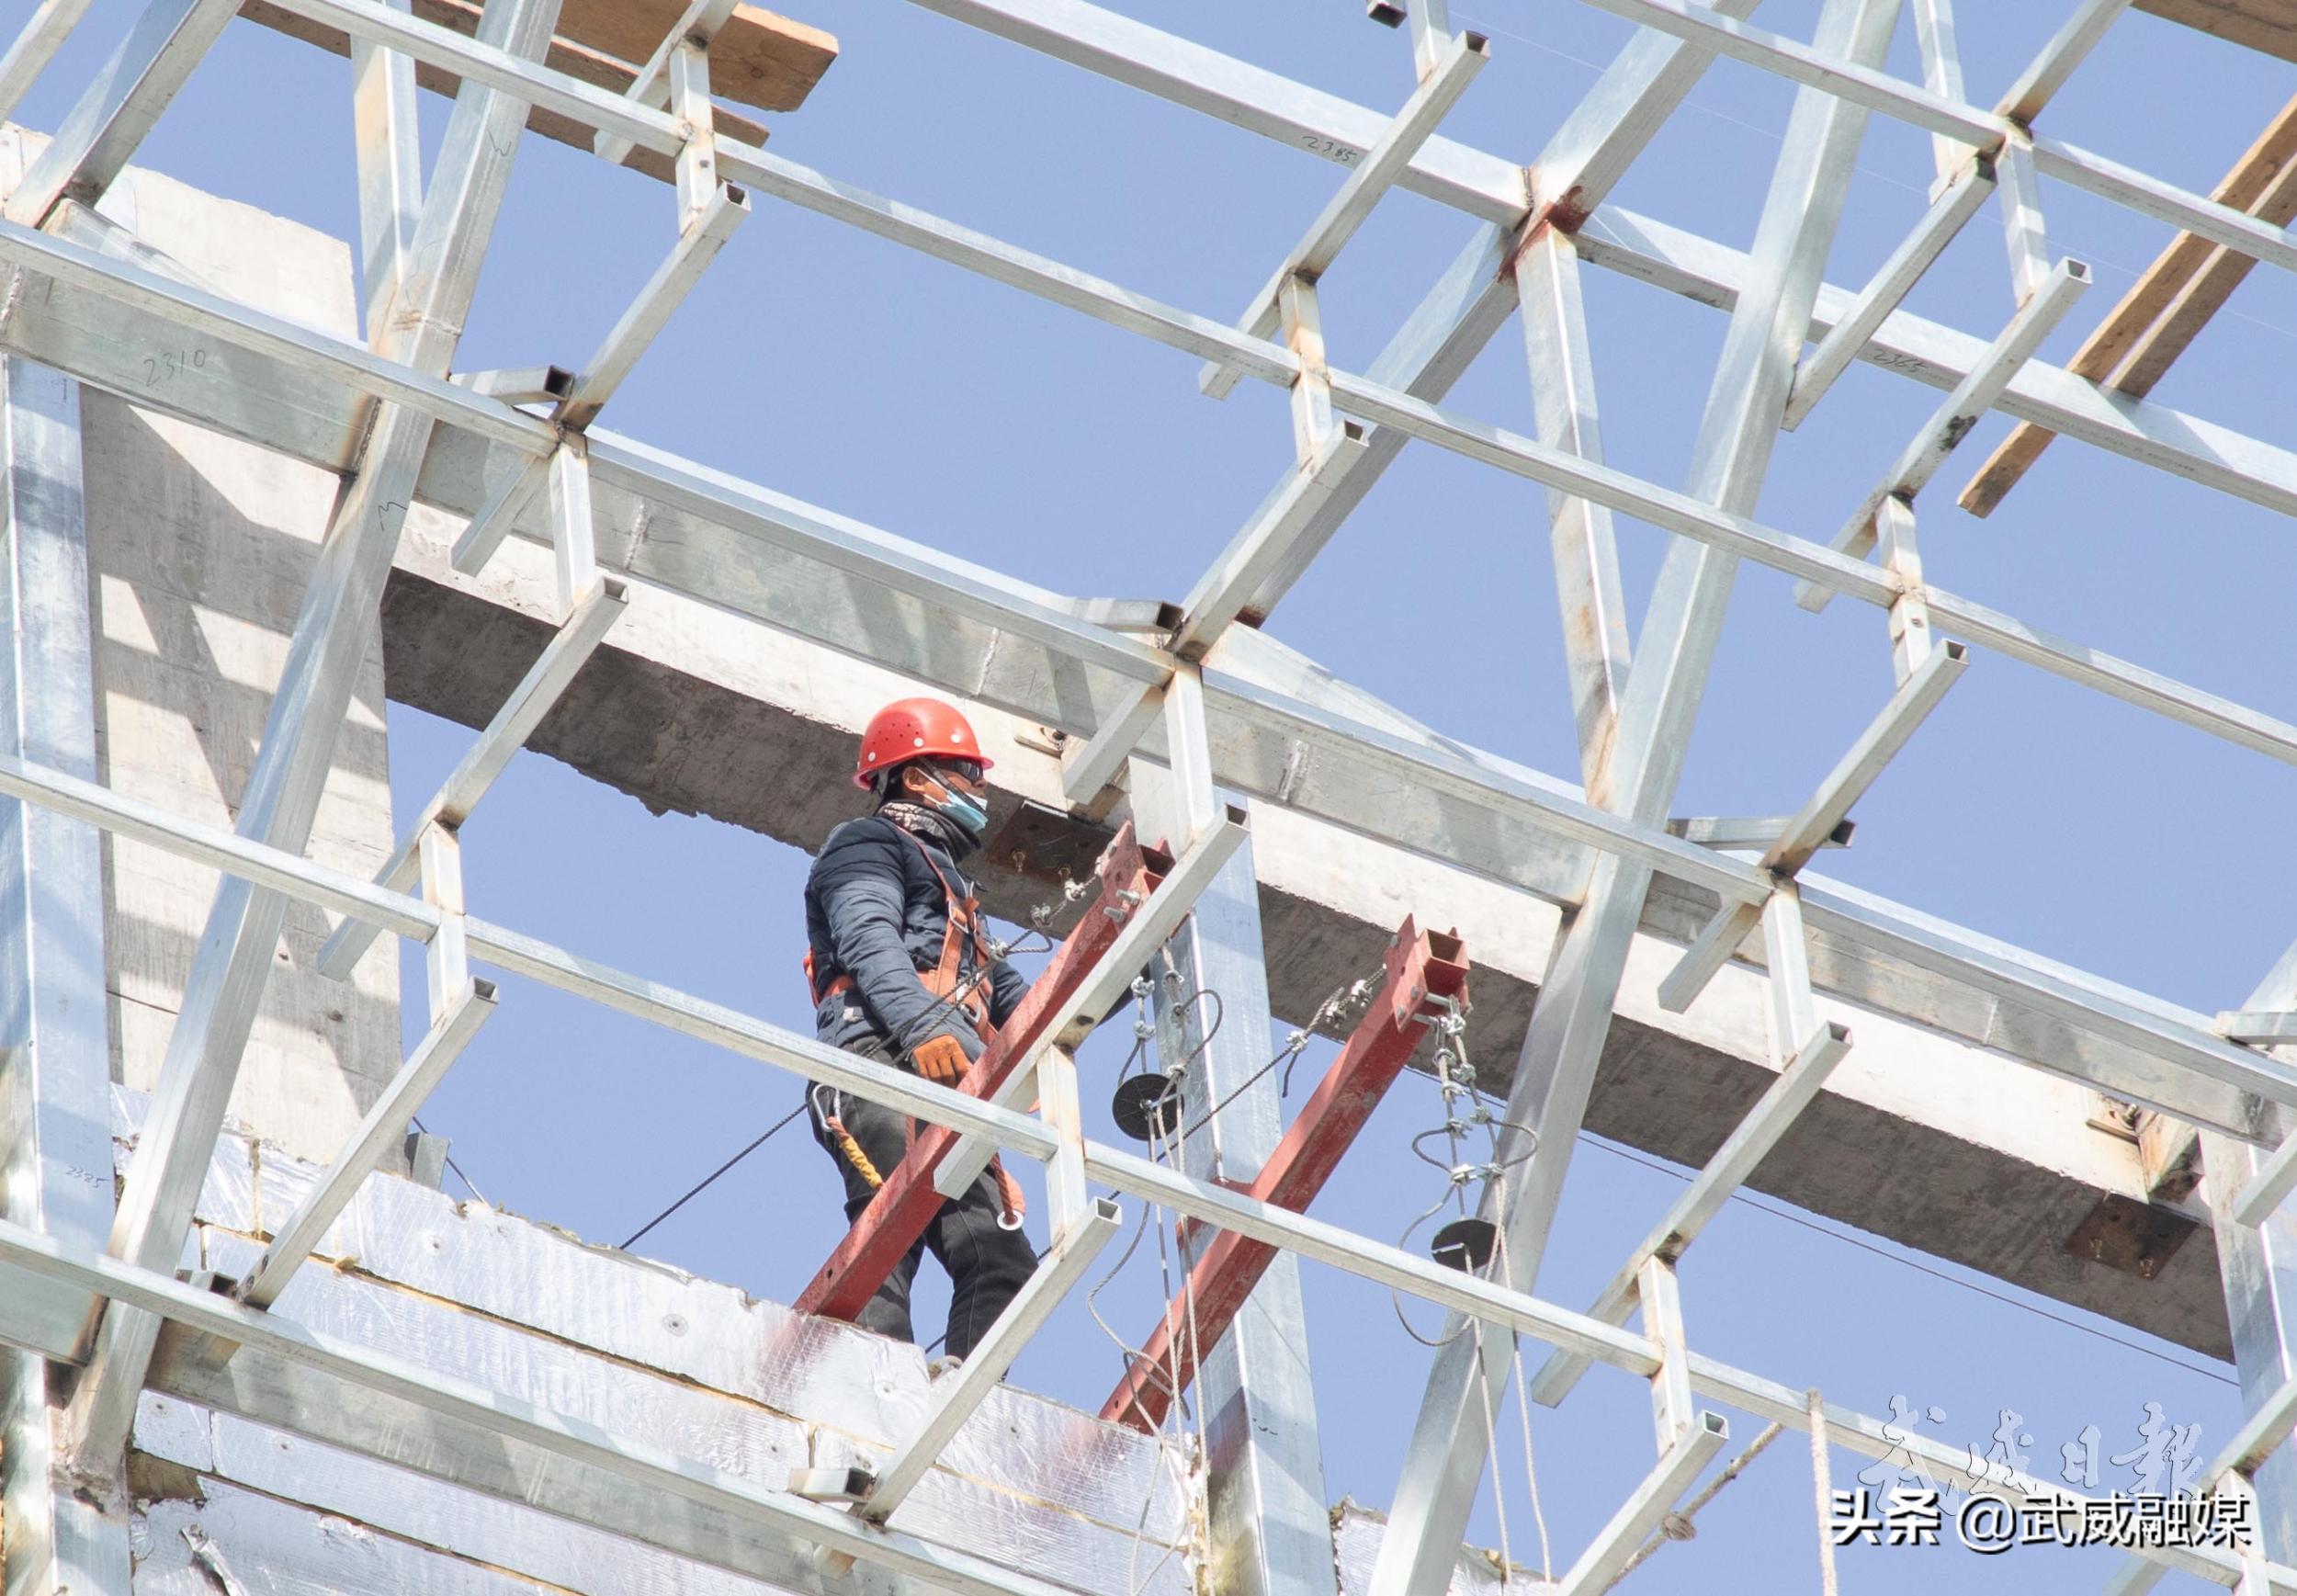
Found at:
(948, 982)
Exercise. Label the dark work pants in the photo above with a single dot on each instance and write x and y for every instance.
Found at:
(987, 1264)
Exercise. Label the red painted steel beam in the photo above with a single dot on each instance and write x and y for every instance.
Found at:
(902, 1207)
(1423, 970)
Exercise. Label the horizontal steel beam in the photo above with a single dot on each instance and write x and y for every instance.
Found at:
(1491, 187)
(1746, 834)
(27, 1255)
(742, 1034)
(1221, 86)
(1985, 131)
(1413, 417)
(511, 1419)
(291, 345)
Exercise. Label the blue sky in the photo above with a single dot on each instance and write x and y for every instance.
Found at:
(871, 379)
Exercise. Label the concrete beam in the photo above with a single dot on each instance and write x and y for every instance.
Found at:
(692, 711)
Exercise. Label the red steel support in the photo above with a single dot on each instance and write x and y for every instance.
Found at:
(1423, 970)
(902, 1207)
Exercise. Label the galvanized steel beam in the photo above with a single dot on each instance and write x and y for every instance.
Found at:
(55, 1043)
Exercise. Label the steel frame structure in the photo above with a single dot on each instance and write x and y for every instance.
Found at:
(392, 416)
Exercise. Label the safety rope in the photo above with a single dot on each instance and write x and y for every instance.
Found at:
(1822, 1484)
(1009, 1194)
(852, 1151)
(1681, 1526)
(1491, 1451)
(1523, 1412)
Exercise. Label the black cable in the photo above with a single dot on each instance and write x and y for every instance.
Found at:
(416, 1121)
(638, 1235)
(1921, 1268)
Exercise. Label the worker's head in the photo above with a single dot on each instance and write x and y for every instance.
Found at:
(923, 751)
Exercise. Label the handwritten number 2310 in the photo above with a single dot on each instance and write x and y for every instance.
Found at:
(172, 364)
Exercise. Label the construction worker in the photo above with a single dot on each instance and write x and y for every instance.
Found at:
(901, 971)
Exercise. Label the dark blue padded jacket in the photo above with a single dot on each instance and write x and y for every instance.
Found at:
(876, 911)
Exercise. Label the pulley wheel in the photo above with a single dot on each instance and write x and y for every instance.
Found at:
(1146, 1106)
(1465, 1244)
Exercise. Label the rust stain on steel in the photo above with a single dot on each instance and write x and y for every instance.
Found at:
(1566, 214)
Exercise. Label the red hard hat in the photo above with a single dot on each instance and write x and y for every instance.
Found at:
(914, 728)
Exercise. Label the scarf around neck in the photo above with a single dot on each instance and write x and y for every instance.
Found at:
(955, 840)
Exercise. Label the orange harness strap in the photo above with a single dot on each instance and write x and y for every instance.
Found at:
(961, 922)
(946, 978)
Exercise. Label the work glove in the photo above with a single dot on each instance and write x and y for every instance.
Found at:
(940, 1060)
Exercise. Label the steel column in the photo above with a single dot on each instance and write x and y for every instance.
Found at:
(1579, 530)
(55, 1074)
(1557, 1067)
(2256, 1265)
(1270, 1528)
(385, 124)
(2258, 1269)
(1424, 972)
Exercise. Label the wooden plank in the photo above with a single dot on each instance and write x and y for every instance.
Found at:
(759, 58)
(576, 60)
(2160, 315)
(2267, 25)
(2202, 298)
